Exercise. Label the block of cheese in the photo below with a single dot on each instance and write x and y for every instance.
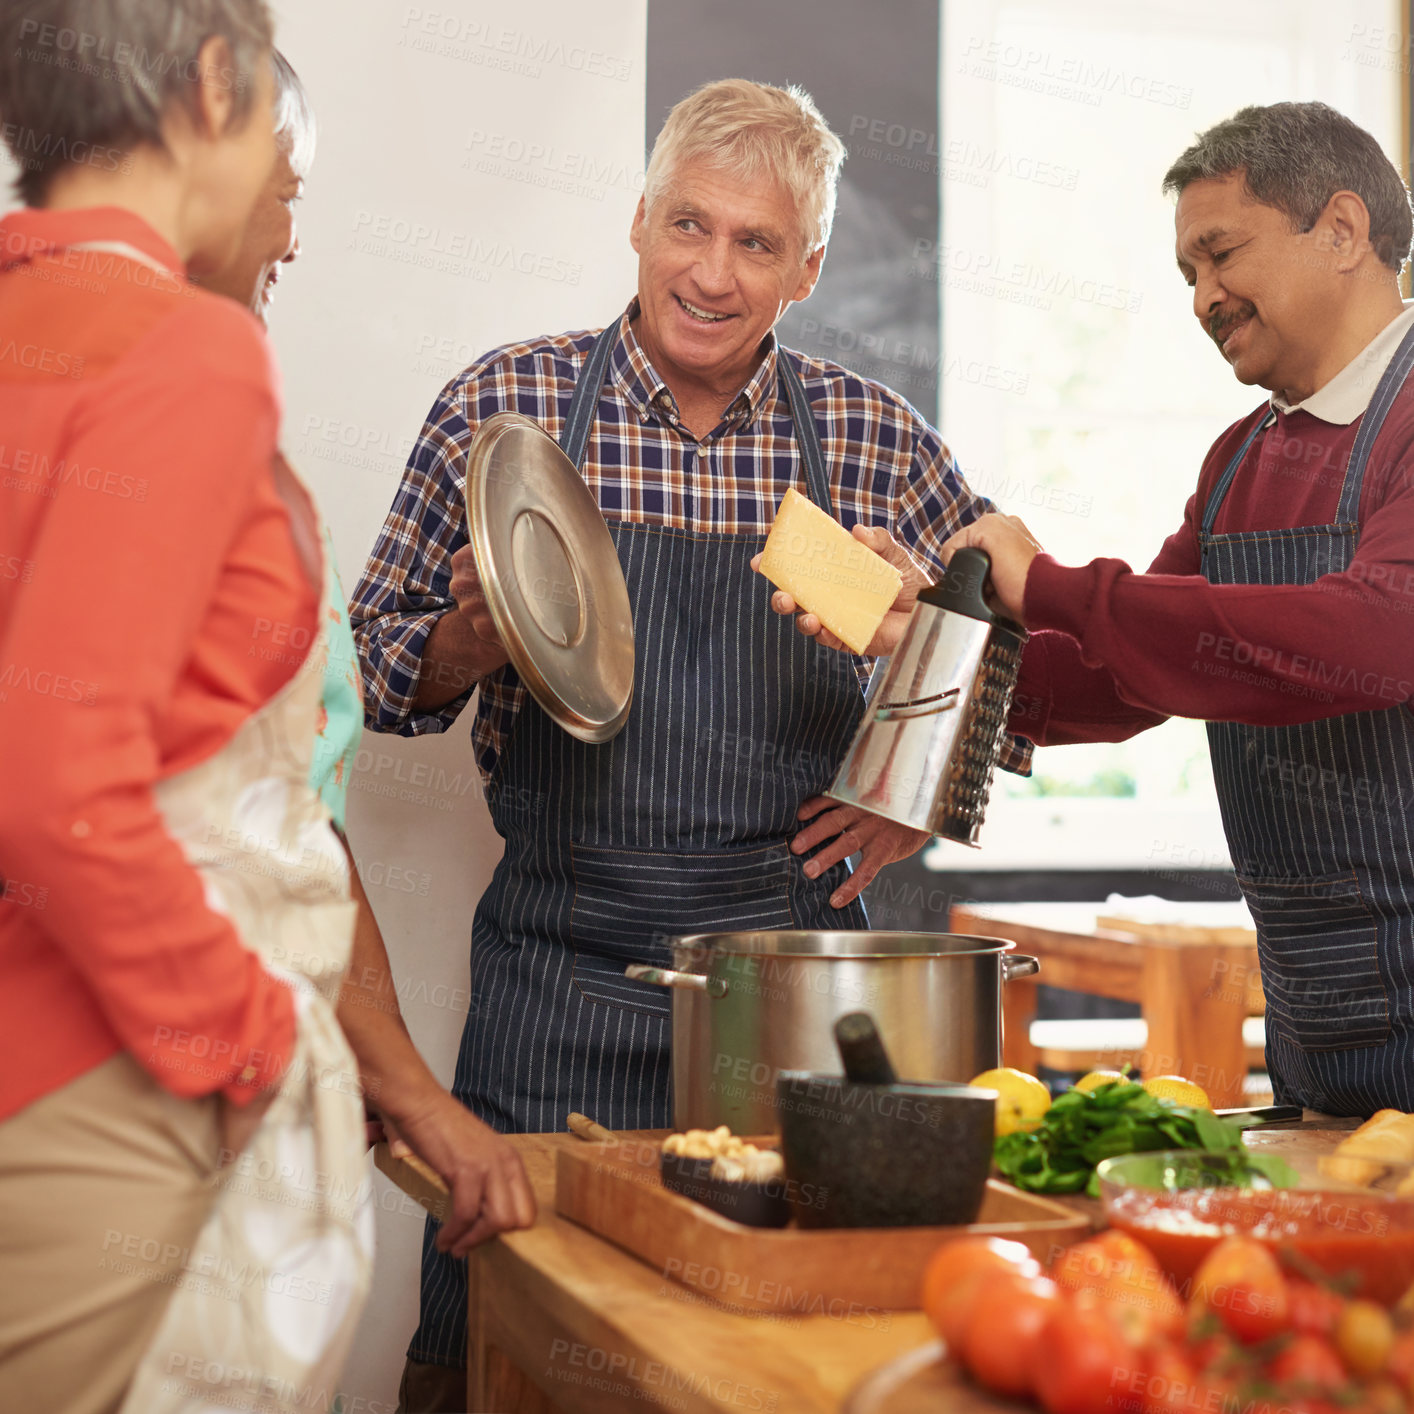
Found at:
(828, 572)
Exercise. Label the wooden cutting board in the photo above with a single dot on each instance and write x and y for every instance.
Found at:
(615, 1191)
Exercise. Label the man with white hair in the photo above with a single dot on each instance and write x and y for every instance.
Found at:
(689, 422)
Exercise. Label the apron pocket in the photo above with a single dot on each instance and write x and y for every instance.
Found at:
(1320, 961)
(629, 902)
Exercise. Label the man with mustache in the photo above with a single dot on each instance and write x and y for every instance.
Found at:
(1282, 610)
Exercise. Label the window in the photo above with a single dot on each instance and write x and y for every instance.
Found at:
(1082, 395)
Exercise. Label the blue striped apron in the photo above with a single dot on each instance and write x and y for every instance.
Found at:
(1320, 822)
(680, 824)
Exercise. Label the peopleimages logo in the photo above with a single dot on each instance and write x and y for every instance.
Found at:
(1066, 76)
(449, 251)
(1301, 668)
(499, 46)
(917, 149)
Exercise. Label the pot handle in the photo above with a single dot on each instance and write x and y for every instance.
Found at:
(1016, 965)
(687, 981)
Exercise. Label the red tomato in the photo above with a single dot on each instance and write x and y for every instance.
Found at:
(1142, 1318)
(1220, 1394)
(1240, 1282)
(1384, 1397)
(1084, 1366)
(1078, 1265)
(1009, 1312)
(1115, 1271)
(1400, 1365)
(950, 1282)
(1170, 1381)
(1124, 1257)
(1310, 1362)
(1312, 1309)
(1311, 1404)
(1218, 1351)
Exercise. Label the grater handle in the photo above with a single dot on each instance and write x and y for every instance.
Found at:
(961, 589)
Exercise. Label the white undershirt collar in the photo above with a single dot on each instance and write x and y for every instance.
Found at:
(1348, 394)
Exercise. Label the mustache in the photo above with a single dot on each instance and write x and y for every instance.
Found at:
(1219, 324)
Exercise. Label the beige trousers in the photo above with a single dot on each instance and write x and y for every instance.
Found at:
(103, 1186)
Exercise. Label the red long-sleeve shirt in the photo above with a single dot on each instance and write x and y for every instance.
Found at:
(143, 545)
(1126, 650)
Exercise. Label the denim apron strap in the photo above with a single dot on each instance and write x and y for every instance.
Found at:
(806, 431)
(585, 403)
(1219, 492)
(1385, 394)
(575, 437)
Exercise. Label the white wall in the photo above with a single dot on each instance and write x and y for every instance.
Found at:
(473, 172)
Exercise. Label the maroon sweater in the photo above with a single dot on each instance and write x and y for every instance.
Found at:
(1130, 649)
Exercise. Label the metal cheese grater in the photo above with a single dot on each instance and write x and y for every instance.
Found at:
(928, 745)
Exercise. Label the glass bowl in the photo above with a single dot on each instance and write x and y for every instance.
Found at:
(1181, 1203)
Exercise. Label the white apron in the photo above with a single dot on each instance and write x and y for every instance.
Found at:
(262, 1317)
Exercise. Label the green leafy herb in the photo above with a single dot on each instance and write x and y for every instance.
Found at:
(1080, 1129)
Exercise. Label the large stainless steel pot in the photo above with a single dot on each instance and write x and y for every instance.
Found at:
(749, 1005)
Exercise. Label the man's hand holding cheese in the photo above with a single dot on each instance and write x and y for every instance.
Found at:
(1005, 538)
(894, 620)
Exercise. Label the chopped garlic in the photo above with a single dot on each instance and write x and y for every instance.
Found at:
(733, 1158)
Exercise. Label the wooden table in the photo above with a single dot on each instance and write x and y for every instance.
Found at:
(563, 1323)
(560, 1321)
(1194, 996)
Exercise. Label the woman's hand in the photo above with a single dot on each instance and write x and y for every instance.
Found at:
(489, 1190)
(239, 1123)
(895, 620)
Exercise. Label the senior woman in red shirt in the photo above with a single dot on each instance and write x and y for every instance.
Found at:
(160, 846)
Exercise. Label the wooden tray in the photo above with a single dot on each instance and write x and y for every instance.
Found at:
(924, 1381)
(615, 1191)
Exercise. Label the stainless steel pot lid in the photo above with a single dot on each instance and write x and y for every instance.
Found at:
(551, 576)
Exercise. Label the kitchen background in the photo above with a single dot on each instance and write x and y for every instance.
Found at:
(1002, 256)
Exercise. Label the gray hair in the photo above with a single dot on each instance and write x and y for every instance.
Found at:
(1295, 157)
(90, 80)
(295, 128)
(747, 130)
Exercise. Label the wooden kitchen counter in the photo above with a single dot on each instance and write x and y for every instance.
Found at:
(562, 1322)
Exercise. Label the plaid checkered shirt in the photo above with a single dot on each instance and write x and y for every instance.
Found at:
(886, 465)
